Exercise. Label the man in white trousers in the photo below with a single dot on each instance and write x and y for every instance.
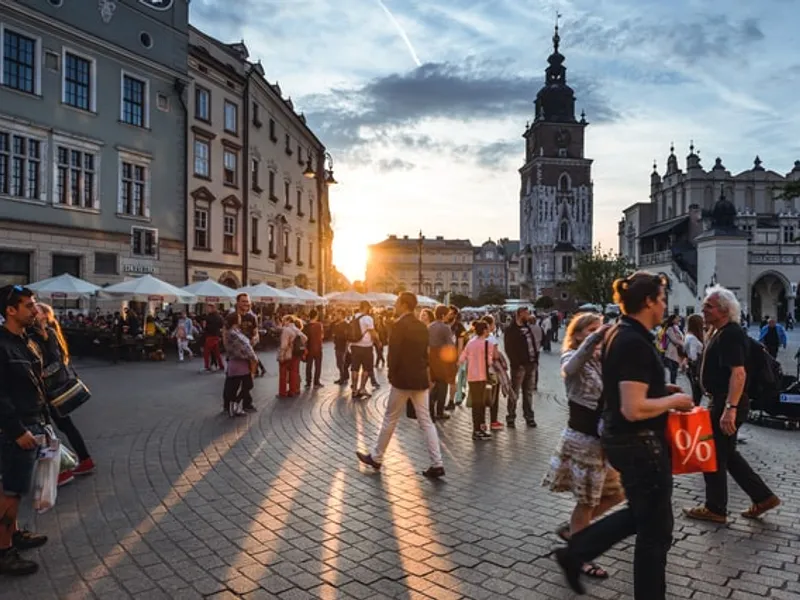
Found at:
(408, 376)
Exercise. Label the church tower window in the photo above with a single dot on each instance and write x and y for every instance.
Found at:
(564, 183)
(563, 234)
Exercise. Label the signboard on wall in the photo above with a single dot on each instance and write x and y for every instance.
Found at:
(132, 266)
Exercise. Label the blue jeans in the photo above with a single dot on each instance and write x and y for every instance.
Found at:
(643, 460)
(17, 464)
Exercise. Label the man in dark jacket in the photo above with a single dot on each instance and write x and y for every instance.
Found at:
(523, 354)
(313, 349)
(408, 376)
(22, 420)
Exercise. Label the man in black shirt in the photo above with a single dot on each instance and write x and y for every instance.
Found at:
(523, 353)
(340, 347)
(22, 420)
(723, 377)
(636, 402)
(410, 381)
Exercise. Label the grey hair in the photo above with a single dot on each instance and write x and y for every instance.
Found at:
(728, 301)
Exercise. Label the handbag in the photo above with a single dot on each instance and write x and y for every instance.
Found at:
(45, 477)
(68, 395)
(491, 376)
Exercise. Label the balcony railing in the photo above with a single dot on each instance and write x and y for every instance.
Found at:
(656, 258)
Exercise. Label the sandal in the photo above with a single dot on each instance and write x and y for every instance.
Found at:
(563, 532)
(592, 570)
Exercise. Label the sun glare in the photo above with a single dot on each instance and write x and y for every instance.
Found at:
(350, 254)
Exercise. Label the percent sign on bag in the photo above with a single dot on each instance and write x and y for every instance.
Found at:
(692, 442)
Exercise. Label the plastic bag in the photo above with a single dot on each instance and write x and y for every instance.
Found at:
(692, 441)
(45, 478)
(68, 459)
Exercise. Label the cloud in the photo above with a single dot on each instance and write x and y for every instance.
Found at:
(472, 90)
(499, 155)
(395, 164)
(706, 37)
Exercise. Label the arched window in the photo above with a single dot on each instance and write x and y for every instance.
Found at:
(563, 234)
(564, 183)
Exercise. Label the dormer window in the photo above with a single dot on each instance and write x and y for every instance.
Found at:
(563, 234)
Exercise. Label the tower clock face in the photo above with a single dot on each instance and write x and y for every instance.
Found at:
(563, 138)
(158, 4)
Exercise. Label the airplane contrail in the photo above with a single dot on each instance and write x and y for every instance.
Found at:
(402, 33)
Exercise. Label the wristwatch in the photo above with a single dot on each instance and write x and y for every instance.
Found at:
(730, 406)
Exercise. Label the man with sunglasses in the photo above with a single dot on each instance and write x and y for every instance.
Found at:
(22, 419)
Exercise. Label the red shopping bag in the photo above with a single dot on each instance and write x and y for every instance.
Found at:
(691, 441)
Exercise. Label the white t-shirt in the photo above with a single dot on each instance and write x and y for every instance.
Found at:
(693, 347)
(366, 323)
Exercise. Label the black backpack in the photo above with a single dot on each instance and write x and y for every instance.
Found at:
(298, 346)
(764, 373)
(354, 333)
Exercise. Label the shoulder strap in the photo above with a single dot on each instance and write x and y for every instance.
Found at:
(609, 337)
(486, 356)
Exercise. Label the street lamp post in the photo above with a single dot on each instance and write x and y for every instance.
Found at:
(419, 260)
(326, 180)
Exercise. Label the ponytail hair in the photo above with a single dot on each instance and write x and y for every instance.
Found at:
(632, 292)
(53, 323)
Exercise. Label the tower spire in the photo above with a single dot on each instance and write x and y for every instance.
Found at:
(556, 37)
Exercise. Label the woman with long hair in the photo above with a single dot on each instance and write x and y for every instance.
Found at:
(426, 316)
(289, 356)
(578, 465)
(55, 356)
(674, 350)
(693, 347)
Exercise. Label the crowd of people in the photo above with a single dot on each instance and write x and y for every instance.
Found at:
(613, 448)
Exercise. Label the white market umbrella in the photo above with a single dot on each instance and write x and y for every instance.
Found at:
(262, 292)
(304, 296)
(210, 291)
(348, 297)
(426, 301)
(149, 289)
(64, 287)
(382, 298)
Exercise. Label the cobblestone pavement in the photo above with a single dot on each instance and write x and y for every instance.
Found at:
(187, 503)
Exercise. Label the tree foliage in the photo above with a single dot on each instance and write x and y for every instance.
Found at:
(544, 303)
(460, 300)
(789, 190)
(491, 295)
(594, 275)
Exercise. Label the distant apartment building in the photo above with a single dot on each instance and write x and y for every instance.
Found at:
(258, 194)
(92, 130)
(428, 266)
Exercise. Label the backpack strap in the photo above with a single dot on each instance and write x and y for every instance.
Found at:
(608, 338)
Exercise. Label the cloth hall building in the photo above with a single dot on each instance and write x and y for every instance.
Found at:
(702, 227)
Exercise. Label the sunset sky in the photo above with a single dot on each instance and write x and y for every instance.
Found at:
(422, 103)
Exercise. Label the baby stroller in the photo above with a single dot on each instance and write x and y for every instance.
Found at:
(781, 409)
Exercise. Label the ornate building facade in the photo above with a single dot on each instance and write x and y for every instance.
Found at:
(702, 227)
(496, 266)
(556, 199)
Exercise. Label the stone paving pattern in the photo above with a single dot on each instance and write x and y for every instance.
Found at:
(187, 503)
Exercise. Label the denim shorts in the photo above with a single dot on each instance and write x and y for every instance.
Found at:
(17, 464)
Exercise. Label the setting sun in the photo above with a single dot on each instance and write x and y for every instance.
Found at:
(350, 252)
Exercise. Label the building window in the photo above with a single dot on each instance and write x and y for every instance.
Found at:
(563, 235)
(311, 208)
(310, 255)
(76, 178)
(256, 120)
(254, 175)
(300, 212)
(788, 234)
(300, 156)
(202, 104)
(254, 236)
(288, 147)
(20, 62)
(286, 186)
(229, 160)
(286, 257)
(299, 251)
(20, 166)
(231, 118)
(202, 157)
(566, 264)
(133, 184)
(201, 228)
(78, 84)
(271, 240)
(105, 263)
(229, 234)
(144, 241)
(63, 263)
(272, 195)
(272, 135)
(134, 101)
